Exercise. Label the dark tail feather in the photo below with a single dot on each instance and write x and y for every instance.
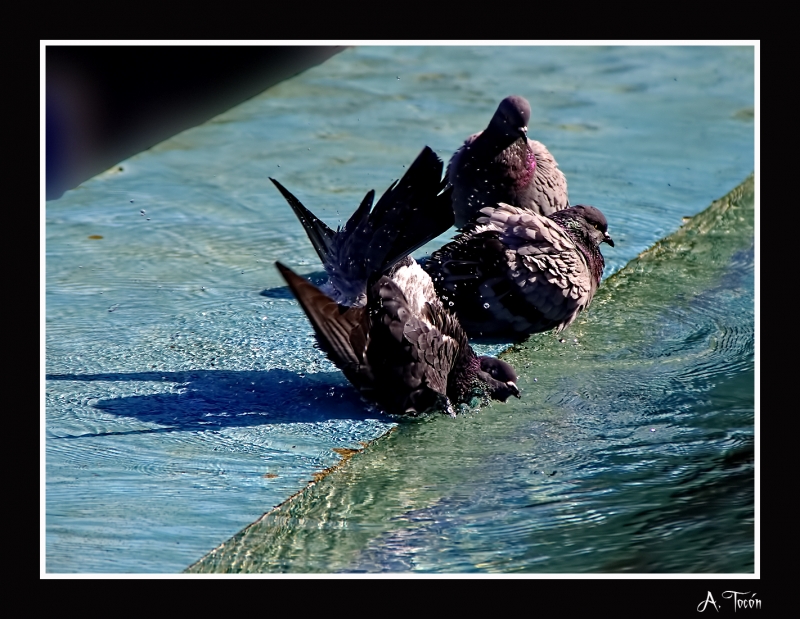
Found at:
(350, 258)
(361, 216)
(341, 331)
(320, 235)
(411, 212)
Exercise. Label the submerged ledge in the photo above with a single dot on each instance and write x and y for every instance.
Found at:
(302, 533)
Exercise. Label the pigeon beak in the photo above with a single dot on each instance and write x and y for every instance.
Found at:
(514, 389)
(523, 131)
(608, 239)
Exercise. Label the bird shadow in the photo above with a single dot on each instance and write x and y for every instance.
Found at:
(216, 399)
(318, 278)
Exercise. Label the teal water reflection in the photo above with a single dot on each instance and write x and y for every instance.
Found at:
(184, 398)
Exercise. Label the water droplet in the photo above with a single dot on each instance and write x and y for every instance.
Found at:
(485, 306)
(131, 201)
(142, 212)
(450, 304)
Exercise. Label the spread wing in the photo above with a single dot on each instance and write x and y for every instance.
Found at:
(413, 211)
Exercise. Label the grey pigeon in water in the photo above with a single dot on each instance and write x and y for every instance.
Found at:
(515, 272)
(411, 212)
(378, 317)
(500, 164)
(406, 353)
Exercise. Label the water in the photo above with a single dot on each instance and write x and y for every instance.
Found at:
(633, 451)
(184, 399)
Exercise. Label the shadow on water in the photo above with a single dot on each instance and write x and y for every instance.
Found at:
(282, 292)
(213, 399)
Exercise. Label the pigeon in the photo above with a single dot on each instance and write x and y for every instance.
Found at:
(411, 212)
(378, 318)
(515, 272)
(405, 353)
(500, 164)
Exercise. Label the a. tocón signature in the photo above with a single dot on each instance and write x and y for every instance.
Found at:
(740, 601)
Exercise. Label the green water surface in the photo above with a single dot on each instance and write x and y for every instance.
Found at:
(632, 449)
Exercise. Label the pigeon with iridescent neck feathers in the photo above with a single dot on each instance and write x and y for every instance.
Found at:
(501, 164)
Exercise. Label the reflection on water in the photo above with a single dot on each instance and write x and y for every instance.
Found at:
(631, 451)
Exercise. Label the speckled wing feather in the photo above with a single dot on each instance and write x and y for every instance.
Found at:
(514, 272)
(549, 269)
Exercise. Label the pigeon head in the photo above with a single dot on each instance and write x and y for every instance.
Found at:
(590, 220)
(511, 118)
(500, 378)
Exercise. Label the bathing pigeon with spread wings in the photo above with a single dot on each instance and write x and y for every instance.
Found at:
(378, 317)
